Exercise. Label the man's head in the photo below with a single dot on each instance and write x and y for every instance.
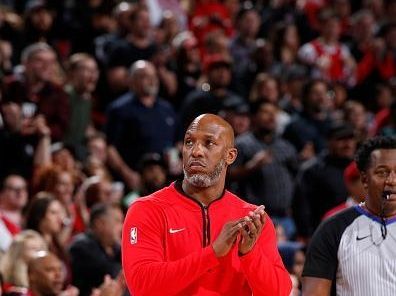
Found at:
(143, 79)
(248, 21)
(330, 24)
(315, 96)
(153, 171)
(376, 161)
(208, 150)
(12, 115)
(218, 70)
(264, 116)
(14, 194)
(106, 223)
(83, 72)
(40, 62)
(341, 141)
(46, 275)
(140, 21)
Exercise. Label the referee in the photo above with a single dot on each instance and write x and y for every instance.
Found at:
(354, 252)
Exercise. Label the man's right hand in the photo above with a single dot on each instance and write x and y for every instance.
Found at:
(227, 237)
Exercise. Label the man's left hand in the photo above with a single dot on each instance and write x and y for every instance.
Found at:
(254, 224)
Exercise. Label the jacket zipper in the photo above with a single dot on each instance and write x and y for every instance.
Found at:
(206, 225)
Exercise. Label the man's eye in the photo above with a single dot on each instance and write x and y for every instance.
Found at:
(382, 173)
(188, 142)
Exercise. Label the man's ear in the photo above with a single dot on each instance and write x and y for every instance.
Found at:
(363, 179)
(231, 155)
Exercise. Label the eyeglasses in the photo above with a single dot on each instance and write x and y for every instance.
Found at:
(16, 189)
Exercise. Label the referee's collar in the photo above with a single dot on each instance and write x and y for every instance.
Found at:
(375, 218)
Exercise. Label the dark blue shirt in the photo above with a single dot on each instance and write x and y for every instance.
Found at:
(135, 129)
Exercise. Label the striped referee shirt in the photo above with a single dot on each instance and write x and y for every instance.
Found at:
(349, 250)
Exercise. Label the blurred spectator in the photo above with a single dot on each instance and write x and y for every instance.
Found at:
(242, 46)
(138, 44)
(61, 184)
(140, 121)
(104, 44)
(47, 276)
(188, 65)
(39, 22)
(63, 157)
(361, 120)
(307, 129)
(214, 93)
(6, 52)
(35, 88)
(210, 16)
(216, 43)
(96, 253)
(343, 9)
(98, 190)
(237, 114)
(320, 184)
(13, 199)
(328, 58)
(157, 8)
(83, 75)
(167, 29)
(167, 78)
(286, 42)
(266, 88)
(11, 30)
(262, 61)
(355, 188)
(104, 162)
(154, 172)
(14, 263)
(46, 215)
(266, 164)
(24, 140)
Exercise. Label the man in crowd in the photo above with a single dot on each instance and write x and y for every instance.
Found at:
(96, 253)
(266, 165)
(140, 121)
(196, 238)
(352, 253)
(320, 185)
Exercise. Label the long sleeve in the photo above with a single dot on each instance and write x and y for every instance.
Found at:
(146, 269)
(264, 268)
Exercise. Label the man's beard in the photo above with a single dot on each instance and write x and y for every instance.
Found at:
(205, 180)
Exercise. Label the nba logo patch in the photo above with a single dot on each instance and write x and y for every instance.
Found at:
(133, 235)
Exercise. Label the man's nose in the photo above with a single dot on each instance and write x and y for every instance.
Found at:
(197, 150)
(391, 179)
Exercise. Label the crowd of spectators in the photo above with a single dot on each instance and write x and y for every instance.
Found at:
(96, 95)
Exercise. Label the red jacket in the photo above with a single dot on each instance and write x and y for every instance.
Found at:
(166, 249)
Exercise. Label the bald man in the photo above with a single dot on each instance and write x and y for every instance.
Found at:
(196, 238)
(46, 276)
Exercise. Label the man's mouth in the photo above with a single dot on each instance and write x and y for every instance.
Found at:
(389, 194)
(196, 164)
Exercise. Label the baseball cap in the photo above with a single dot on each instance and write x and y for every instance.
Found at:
(216, 60)
(340, 131)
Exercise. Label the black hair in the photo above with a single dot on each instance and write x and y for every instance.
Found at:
(256, 106)
(363, 155)
(99, 210)
(38, 209)
(307, 88)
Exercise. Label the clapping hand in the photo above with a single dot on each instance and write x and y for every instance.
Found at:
(251, 231)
